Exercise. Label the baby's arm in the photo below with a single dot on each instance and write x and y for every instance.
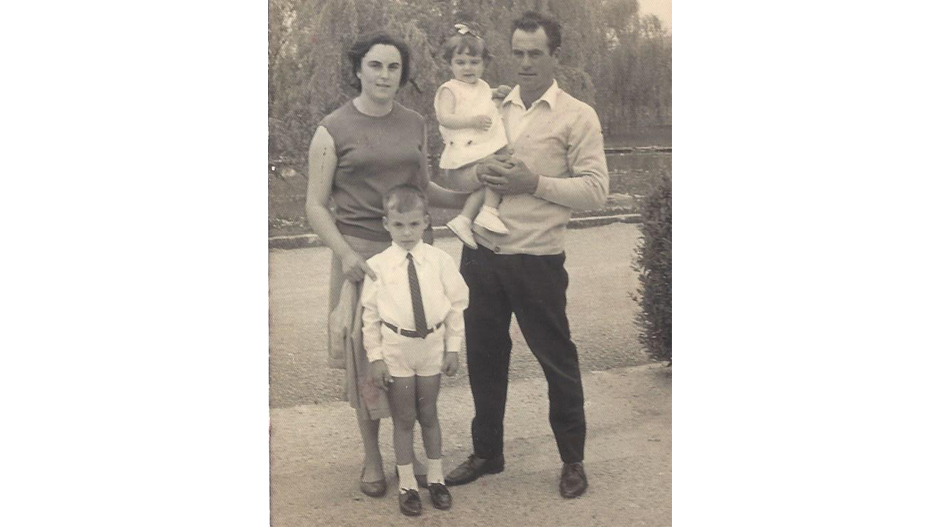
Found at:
(372, 334)
(501, 91)
(447, 106)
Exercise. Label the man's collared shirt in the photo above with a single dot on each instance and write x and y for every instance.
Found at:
(517, 116)
(559, 138)
(443, 293)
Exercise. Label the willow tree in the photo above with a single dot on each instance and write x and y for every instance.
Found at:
(603, 59)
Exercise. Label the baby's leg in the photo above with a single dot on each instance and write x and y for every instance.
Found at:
(472, 206)
(463, 179)
(491, 199)
(488, 216)
(462, 224)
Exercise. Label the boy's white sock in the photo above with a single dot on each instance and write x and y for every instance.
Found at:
(435, 472)
(406, 478)
(492, 210)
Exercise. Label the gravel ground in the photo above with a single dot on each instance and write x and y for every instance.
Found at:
(600, 312)
(315, 461)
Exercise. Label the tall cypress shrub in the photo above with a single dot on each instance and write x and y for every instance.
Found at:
(654, 264)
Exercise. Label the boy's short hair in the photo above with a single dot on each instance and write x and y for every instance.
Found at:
(467, 43)
(404, 198)
(531, 21)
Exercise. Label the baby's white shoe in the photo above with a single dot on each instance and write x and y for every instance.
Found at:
(461, 228)
(488, 218)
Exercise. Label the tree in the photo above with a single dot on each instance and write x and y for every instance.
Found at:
(611, 57)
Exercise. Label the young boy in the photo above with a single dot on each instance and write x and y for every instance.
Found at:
(412, 326)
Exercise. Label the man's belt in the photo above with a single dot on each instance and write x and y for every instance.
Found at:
(410, 333)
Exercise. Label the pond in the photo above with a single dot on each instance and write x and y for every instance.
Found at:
(633, 172)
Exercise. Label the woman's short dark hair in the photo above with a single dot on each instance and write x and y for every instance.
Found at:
(470, 44)
(531, 21)
(365, 42)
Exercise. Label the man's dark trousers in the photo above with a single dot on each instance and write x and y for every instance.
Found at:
(532, 287)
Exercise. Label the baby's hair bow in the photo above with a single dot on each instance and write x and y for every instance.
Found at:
(464, 30)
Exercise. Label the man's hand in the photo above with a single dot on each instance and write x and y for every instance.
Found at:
(487, 165)
(481, 122)
(507, 175)
(451, 364)
(380, 376)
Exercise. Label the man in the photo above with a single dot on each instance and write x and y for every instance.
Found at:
(557, 165)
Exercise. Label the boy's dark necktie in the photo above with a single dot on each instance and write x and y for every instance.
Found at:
(421, 325)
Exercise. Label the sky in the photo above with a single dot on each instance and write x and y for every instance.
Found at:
(660, 8)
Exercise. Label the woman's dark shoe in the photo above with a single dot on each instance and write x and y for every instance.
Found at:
(374, 489)
(422, 479)
(409, 503)
(440, 496)
(473, 468)
(573, 480)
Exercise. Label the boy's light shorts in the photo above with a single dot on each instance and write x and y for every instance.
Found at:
(407, 357)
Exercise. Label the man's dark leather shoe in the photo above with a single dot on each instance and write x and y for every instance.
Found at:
(409, 503)
(440, 496)
(573, 481)
(473, 468)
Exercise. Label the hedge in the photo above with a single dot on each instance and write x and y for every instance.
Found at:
(653, 262)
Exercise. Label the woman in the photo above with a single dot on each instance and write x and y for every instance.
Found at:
(361, 150)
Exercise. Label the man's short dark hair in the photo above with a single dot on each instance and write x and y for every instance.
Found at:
(531, 21)
(365, 42)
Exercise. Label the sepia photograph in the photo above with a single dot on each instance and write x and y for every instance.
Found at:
(477, 286)
(469, 219)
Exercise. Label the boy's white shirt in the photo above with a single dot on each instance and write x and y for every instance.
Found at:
(444, 295)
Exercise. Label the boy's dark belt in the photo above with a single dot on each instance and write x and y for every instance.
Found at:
(410, 333)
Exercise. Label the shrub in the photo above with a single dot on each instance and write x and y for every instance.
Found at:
(654, 263)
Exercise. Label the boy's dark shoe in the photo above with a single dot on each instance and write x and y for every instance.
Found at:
(409, 503)
(573, 481)
(440, 496)
(473, 468)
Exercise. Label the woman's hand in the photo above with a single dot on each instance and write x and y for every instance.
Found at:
(355, 267)
(481, 122)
